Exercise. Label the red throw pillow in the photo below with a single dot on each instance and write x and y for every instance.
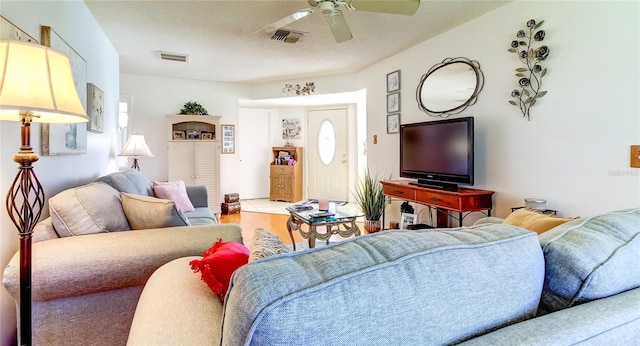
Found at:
(218, 263)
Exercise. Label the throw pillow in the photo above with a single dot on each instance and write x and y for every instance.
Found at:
(175, 191)
(87, 209)
(219, 263)
(149, 212)
(590, 258)
(266, 244)
(534, 220)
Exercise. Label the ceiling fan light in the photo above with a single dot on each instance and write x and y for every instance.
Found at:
(327, 7)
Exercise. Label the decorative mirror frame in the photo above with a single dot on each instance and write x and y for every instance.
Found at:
(475, 66)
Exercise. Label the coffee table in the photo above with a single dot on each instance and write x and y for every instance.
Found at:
(345, 217)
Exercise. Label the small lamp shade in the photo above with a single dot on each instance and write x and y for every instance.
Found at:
(136, 147)
(37, 79)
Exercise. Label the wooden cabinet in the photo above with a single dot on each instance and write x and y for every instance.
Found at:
(194, 153)
(286, 178)
(461, 201)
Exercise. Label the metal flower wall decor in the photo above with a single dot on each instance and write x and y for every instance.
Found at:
(297, 89)
(529, 77)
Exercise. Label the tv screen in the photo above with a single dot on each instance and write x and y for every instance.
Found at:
(438, 153)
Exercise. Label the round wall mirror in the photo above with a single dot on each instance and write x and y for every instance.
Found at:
(449, 87)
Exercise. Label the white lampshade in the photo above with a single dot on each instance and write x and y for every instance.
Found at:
(136, 147)
(37, 79)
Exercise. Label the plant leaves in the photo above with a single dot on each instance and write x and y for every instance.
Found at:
(522, 43)
(525, 92)
(538, 25)
(544, 72)
(542, 93)
(519, 74)
(512, 102)
(522, 69)
(533, 102)
(512, 50)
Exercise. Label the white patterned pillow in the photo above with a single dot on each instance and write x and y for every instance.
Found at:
(266, 244)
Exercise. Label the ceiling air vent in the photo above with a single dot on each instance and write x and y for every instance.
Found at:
(286, 36)
(173, 56)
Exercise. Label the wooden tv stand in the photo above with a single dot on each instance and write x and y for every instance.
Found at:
(462, 201)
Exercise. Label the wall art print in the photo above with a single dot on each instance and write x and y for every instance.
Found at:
(65, 139)
(291, 128)
(10, 32)
(529, 77)
(95, 108)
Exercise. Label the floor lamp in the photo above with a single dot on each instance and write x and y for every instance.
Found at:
(136, 147)
(36, 85)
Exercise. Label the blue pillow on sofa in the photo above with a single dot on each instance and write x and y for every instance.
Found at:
(590, 258)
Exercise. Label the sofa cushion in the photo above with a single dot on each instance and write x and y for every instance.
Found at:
(219, 263)
(494, 273)
(265, 244)
(591, 258)
(129, 181)
(534, 220)
(87, 209)
(149, 212)
(175, 191)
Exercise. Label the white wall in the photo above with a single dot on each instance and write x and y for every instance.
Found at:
(155, 97)
(72, 21)
(575, 150)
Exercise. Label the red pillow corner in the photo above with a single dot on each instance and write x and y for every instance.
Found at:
(218, 264)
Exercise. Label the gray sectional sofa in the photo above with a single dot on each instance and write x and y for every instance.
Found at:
(489, 284)
(89, 267)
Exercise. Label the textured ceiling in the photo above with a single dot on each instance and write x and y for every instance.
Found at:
(224, 43)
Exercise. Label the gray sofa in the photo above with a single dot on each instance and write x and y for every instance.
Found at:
(489, 284)
(89, 268)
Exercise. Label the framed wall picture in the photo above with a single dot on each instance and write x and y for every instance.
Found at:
(10, 32)
(393, 102)
(95, 108)
(207, 136)
(393, 123)
(65, 139)
(228, 139)
(291, 128)
(393, 81)
(407, 219)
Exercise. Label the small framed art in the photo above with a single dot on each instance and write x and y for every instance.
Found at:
(393, 81)
(407, 219)
(208, 136)
(95, 108)
(393, 123)
(393, 102)
(228, 139)
(179, 135)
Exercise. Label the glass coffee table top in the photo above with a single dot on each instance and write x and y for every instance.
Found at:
(340, 212)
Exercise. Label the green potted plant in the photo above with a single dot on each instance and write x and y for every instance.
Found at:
(193, 108)
(368, 195)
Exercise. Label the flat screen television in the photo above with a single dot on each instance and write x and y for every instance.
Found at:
(439, 154)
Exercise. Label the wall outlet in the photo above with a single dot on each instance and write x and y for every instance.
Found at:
(635, 156)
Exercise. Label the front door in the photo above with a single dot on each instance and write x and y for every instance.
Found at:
(327, 155)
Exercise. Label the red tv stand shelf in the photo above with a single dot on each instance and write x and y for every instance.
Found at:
(462, 201)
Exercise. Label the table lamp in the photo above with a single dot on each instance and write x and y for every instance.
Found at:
(36, 85)
(136, 147)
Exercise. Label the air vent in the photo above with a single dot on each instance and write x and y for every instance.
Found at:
(173, 56)
(286, 36)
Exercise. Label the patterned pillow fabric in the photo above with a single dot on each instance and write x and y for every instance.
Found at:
(175, 191)
(149, 212)
(87, 209)
(266, 244)
(534, 220)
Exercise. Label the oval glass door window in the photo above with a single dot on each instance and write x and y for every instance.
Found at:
(326, 142)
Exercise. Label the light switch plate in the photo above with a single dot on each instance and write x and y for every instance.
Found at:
(635, 156)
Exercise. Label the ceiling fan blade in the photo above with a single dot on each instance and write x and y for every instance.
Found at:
(271, 28)
(406, 7)
(339, 26)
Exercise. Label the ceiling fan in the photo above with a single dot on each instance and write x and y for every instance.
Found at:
(331, 10)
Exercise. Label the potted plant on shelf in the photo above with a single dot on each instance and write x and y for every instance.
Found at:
(368, 195)
(193, 108)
